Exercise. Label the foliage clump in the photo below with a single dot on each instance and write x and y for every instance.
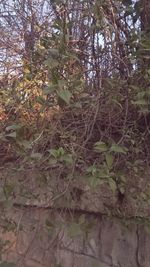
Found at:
(80, 108)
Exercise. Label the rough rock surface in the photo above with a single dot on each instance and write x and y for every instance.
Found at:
(36, 242)
(76, 233)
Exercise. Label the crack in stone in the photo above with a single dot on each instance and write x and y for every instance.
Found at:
(137, 247)
(87, 255)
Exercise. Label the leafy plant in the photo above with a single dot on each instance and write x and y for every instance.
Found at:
(7, 264)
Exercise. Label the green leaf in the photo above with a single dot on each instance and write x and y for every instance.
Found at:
(37, 156)
(109, 160)
(61, 83)
(123, 178)
(74, 230)
(117, 103)
(52, 62)
(122, 189)
(112, 185)
(140, 102)
(100, 147)
(7, 264)
(92, 169)
(25, 144)
(8, 189)
(65, 95)
(118, 149)
(82, 219)
(13, 127)
(103, 173)
(67, 158)
(13, 135)
(53, 162)
(57, 153)
(40, 100)
(53, 52)
(49, 224)
(93, 181)
(53, 152)
(61, 151)
(50, 89)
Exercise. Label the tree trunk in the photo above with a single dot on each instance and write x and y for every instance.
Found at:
(145, 16)
(145, 28)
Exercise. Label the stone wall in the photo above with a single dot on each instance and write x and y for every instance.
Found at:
(41, 239)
